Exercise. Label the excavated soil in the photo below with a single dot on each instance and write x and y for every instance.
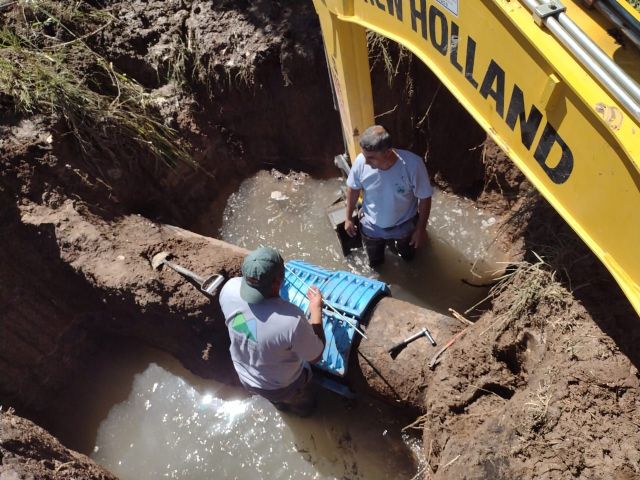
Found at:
(549, 390)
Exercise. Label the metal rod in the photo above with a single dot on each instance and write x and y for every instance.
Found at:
(398, 347)
(623, 14)
(184, 271)
(350, 322)
(421, 333)
(598, 54)
(594, 68)
(429, 336)
(588, 62)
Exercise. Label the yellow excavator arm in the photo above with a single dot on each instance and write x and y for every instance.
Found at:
(566, 113)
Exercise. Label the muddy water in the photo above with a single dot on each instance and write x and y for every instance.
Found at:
(144, 417)
(288, 213)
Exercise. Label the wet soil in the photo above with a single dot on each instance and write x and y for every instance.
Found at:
(552, 392)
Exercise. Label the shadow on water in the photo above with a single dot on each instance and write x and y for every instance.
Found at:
(73, 416)
(434, 278)
(141, 415)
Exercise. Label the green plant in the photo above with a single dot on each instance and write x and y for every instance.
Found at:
(107, 112)
(525, 286)
(380, 51)
(184, 64)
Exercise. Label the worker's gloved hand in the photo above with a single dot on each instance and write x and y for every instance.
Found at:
(315, 299)
(350, 228)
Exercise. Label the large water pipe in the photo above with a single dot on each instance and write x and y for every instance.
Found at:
(164, 310)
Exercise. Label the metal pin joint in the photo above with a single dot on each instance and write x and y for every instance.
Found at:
(548, 9)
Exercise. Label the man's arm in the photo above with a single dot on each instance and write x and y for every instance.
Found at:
(419, 235)
(352, 199)
(315, 311)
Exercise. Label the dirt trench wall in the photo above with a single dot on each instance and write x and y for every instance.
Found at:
(29, 452)
(244, 82)
(43, 302)
(548, 393)
(233, 124)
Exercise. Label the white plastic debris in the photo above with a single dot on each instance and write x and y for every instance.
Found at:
(278, 196)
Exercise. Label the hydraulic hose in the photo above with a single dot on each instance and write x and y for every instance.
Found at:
(603, 59)
(619, 84)
(631, 34)
(629, 19)
(334, 95)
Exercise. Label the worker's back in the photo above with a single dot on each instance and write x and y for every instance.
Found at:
(270, 340)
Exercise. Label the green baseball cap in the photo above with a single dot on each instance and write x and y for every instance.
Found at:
(259, 270)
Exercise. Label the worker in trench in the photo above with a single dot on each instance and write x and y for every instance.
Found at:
(397, 197)
(272, 342)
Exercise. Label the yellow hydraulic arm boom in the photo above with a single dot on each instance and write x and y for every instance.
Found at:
(573, 133)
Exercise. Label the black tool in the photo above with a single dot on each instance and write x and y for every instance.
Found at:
(396, 349)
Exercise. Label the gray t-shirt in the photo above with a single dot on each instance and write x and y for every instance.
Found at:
(390, 196)
(270, 340)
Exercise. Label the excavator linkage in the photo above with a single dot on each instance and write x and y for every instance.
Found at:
(547, 82)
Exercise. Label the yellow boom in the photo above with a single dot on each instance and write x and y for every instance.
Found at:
(563, 126)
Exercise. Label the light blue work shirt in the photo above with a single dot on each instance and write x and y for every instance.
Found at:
(391, 196)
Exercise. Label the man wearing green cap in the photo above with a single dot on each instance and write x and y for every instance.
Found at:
(271, 339)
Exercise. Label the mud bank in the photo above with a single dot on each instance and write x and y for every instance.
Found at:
(49, 309)
(106, 282)
(27, 451)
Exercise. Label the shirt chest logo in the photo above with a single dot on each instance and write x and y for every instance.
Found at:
(401, 186)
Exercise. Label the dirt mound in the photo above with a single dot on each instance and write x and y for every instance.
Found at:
(539, 391)
(27, 451)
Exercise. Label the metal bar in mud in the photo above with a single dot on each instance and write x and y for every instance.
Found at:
(331, 307)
